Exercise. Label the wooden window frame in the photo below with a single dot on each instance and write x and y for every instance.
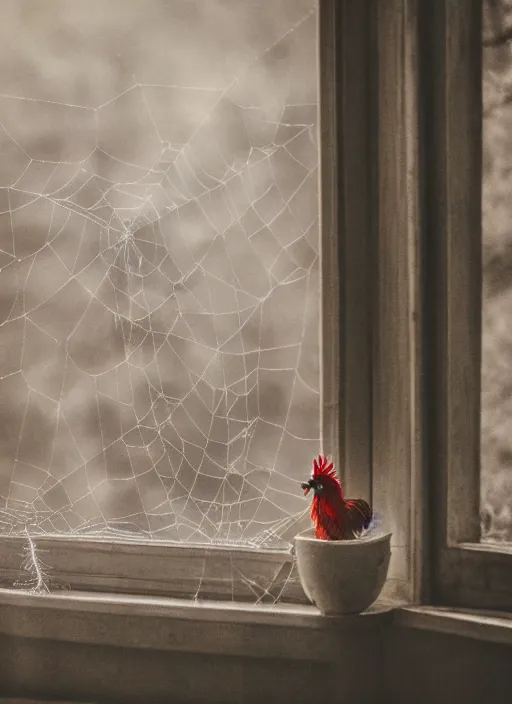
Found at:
(464, 572)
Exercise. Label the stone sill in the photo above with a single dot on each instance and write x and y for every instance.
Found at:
(283, 631)
(292, 632)
(488, 626)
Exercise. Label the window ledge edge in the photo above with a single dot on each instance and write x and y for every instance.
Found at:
(488, 626)
(290, 631)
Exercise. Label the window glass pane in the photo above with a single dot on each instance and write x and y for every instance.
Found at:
(496, 439)
(159, 268)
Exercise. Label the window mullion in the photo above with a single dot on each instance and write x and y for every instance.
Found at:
(397, 439)
(346, 122)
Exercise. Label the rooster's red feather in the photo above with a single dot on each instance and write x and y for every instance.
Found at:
(335, 517)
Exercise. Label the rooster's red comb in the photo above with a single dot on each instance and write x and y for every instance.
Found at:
(322, 467)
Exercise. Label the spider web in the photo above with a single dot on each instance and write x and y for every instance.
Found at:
(159, 274)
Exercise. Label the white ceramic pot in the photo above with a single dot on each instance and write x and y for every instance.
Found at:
(342, 576)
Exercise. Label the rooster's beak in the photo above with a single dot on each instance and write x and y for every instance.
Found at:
(306, 488)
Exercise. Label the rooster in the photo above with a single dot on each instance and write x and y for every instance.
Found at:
(335, 517)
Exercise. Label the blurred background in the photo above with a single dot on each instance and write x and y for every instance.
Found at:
(496, 447)
(159, 268)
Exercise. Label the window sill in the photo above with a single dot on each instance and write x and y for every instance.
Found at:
(293, 632)
(489, 626)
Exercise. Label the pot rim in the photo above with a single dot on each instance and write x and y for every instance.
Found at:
(307, 536)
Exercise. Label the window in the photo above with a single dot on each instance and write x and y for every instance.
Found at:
(371, 232)
(160, 382)
(160, 374)
(467, 571)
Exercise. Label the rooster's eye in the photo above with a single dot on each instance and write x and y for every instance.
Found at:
(317, 486)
